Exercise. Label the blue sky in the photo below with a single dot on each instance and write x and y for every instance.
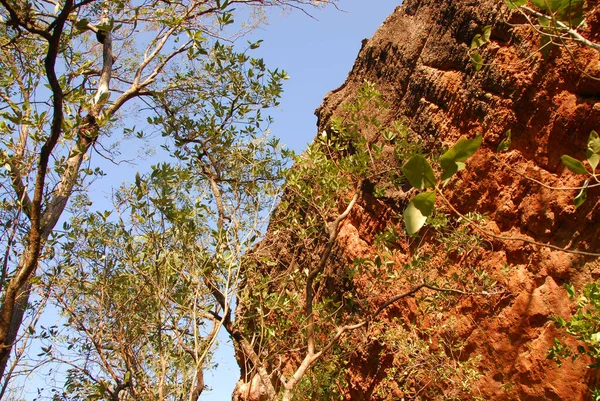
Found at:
(317, 54)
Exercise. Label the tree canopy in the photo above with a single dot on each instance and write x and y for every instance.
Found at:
(72, 74)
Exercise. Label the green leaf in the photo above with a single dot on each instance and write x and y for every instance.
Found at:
(512, 4)
(569, 12)
(574, 165)
(255, 45)
(476, 60)
(487, 31)
(559, 322)
(477, 42)
(82, 25)
(593, 150)
(419, 173)
(505, 144)
(570, 289)
(417, 211)
(461, 151)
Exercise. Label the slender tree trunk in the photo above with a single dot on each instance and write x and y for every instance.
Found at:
(15, 323)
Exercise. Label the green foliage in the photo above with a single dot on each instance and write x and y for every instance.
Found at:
(556, 21)
(452, 160)
(569, 12)
(326, 381)
(593, 150)
(417, 211)
(505, 143)
(576, 166)
(584, 326)
(421, 369)
(152, 275)
(341, 159)
(348, 157)
(479, 40)
(458, 237)
(421, 175)
(163, 62)
(129, 284)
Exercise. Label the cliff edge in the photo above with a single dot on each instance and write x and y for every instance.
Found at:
(497, 332)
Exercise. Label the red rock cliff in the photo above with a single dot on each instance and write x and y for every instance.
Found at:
(419, 60)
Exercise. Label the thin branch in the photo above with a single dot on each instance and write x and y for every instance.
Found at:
(333, 231)
(572, 32)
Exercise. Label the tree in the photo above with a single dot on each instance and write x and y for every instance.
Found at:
(68, 69)
(139, 292)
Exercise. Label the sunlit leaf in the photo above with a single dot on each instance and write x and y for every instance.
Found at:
(593, 150)
(569, 12)
(477, 61)
(570, 289)
(477, 42)
(506, 142)
(461, 151)
(419, 173)
(487, 31)
(515, 3)
(417, 211)
(573, 164)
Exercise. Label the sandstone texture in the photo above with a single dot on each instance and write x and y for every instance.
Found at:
(419, 60)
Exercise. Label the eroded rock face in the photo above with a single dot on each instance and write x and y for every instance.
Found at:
(419, 59)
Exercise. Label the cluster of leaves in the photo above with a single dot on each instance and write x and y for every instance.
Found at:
(458, 238)
(479, 40)
(327, 380)
(419, 369)
(556, 21)
(333, 166)
(576, 166)
(421, 176)
(68, 70)
(145, 288)
(569, 12)
(343, 161)
(584, 326)
(129, 292)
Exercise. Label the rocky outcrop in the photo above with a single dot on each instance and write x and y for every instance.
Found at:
(419, 60)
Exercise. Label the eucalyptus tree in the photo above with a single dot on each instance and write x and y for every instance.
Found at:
(68, 70)
(141, 288)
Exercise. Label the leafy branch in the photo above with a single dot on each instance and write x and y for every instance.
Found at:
(421, 176)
